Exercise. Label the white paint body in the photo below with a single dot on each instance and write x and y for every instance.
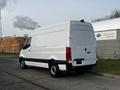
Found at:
(51, 42)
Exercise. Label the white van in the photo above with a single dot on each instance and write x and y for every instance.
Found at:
(61, 47)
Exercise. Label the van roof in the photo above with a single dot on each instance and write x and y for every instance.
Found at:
(53, 25)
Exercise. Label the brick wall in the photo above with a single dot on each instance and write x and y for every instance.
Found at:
(11, 44)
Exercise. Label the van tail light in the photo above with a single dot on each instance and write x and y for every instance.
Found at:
(68, 55)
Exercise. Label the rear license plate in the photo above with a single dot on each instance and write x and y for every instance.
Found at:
(79, 62)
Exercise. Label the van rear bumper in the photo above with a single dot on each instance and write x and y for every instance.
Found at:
(69, 67)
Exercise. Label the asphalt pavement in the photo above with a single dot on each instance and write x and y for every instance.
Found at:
(12, 77)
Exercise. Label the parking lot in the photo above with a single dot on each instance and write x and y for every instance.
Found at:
(13, 78)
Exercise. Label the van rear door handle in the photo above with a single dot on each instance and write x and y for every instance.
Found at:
(88, 52)
(29, 50)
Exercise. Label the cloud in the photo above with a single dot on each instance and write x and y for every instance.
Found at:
(24, 22)
(3, 3)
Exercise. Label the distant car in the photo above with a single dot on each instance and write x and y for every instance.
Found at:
(63, 47)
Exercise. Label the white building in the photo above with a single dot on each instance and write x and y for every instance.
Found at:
(108, 38)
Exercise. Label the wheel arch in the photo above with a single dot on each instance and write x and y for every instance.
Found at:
(21, 58)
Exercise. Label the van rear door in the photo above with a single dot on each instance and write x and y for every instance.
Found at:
(82, 43)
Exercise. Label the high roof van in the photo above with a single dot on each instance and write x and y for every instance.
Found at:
(61, 47)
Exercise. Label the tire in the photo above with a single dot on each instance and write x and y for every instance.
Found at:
(22, 64)
(54, 70)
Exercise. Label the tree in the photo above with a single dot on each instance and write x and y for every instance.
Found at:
(114, 14)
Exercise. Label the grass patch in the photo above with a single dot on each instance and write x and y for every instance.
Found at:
(9, 54)
(108, 66)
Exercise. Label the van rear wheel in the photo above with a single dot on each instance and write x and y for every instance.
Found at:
(54, 70)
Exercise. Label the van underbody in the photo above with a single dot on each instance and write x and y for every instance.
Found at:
(62, 65)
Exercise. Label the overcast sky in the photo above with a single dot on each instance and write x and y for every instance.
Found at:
(47, 12)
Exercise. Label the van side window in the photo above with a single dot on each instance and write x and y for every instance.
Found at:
(27, 43)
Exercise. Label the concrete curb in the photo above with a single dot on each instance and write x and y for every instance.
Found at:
(105, 74)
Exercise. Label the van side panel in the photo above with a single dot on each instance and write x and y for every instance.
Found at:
(38, 45)
(50, 43)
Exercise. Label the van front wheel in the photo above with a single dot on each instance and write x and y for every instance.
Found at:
(23, 65)
(54, 70)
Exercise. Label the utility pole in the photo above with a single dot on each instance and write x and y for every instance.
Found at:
(0, 25)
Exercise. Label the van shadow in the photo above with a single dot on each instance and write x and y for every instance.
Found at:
(62, 73)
